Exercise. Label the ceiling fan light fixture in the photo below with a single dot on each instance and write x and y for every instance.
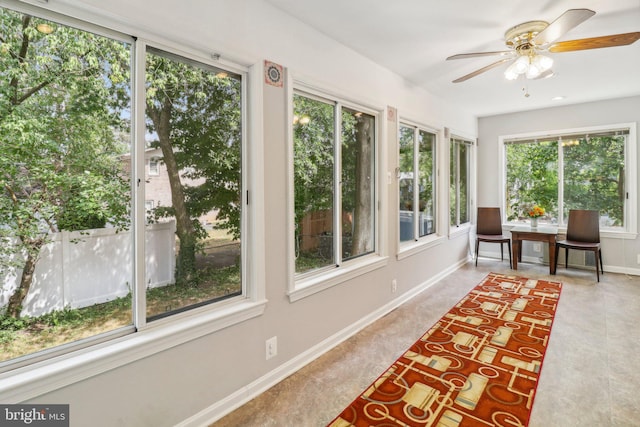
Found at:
(532, 66)
(543, 63)
(526, 40)
(539, 65)
(521, 64)
(533, 72)
(511, 73)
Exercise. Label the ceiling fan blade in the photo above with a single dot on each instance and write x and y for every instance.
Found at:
(481, 70)
(595, 42)
(478, 54)
(565, 22)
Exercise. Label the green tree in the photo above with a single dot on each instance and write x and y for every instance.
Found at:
(60, 99)
(532, 178)
(313, 161)
(358, 138)
(406, 161)
(314, 180)
(594, 176)
(195, 115)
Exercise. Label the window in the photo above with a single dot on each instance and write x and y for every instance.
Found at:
(154, 165)
(460, 184)
(193, 114)
(65, 156)
(572, 170)
(417, 182)
(334, 182)
(70, 163)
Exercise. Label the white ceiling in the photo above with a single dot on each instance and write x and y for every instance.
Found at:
(414, 37)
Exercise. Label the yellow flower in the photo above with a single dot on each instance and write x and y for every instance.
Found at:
(536, 212)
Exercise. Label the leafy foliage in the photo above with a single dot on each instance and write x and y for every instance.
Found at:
(593, 171)
(532, 178)
(427, 144)
(406, 161)
(594, 177)
(459, 166)
(425, 175)
(195, 116)
(62, 99)
(315, 153)
(313, 159)
(64, 126)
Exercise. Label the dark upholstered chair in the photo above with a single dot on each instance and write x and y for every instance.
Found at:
(583, 233)
(489, 229)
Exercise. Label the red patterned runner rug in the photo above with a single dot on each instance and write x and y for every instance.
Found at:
(478, 366)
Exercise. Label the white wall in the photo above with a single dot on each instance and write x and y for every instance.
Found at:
(618, 254)
(188, 379)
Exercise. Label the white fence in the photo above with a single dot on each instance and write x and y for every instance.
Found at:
(81, 269)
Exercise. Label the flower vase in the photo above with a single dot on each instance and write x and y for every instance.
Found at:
(534, 222)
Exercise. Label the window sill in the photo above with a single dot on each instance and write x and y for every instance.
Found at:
(625, 235)
(461, 229)
(323, 280)
(408, 249)
(37, 379)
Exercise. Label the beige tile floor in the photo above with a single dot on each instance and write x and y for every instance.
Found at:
(590, 376)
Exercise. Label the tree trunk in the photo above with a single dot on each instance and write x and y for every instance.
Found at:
(33, 247)
(15, 301)
(185, 263)
(363, 212)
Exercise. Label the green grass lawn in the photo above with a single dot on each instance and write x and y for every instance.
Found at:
(19, 337)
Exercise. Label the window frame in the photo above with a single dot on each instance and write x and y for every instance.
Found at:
(418, 242)
(629, 230)
(471, 142)
(38, 373)
(302, 285)
(143, 48)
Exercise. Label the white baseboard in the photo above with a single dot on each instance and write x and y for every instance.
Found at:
(538, 260)
(622, 270)
(243, 395)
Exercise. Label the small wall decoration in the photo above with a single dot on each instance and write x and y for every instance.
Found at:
(273, 74)
(391, 114)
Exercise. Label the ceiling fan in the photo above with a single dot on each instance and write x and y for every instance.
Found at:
(527, 42)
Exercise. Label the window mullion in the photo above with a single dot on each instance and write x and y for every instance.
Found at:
(457, 180)
(138, 129)
(625, 198)
(416, 184)
(560, 183)
(337, 179)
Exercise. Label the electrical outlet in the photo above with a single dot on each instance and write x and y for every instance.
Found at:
(394, 285)
(537, 247)
(638, 258)
(271, 347)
